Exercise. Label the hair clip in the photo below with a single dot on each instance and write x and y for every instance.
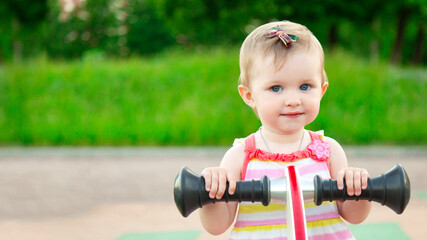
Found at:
(287, 39)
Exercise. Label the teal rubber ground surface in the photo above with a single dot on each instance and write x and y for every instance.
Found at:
(378, 231)
(185, 235)
(420, 194)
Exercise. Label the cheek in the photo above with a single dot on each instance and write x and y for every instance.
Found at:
(313, 104)
(265, 108)
(316, 109)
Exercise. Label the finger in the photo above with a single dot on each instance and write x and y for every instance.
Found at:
(357, 183)
(214, 185)
(349, 182)
(340, 180)
(207, 175)
(365, 177)
(231, 184)
(222, 184)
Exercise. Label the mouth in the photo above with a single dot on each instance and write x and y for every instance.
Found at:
(292, 114)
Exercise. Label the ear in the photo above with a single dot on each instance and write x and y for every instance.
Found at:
(324, 88)
(246, 94)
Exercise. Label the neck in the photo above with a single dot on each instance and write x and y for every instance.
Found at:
(282, 138)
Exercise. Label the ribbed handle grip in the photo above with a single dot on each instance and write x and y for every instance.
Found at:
(190, 193)
(246, 191)
(391, 189)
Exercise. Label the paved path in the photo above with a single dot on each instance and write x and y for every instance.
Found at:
(106, 193)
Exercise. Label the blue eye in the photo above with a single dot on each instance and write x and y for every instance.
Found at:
(276, 88)
(305, 87)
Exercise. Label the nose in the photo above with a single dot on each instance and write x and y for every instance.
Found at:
(292, 99)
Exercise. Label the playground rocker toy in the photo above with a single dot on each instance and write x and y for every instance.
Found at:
(391, 189)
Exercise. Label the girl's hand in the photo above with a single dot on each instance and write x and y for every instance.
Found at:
(216, 179)
(356, 179)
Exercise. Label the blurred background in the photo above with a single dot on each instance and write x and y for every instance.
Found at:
(163, 72)
(97, 97)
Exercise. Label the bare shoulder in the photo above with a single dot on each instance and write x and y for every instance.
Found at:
(333, 144)
(233, 159)
(337, 159)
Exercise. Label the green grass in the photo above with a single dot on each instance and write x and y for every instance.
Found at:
(190, 98)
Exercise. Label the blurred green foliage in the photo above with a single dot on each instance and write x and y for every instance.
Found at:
(119, 72)
(66, 29)
(91, 27)
(181, 98)
(21, 24)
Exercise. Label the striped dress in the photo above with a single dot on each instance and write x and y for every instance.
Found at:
(255, 221)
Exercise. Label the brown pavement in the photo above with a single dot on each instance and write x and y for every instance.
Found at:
(104, 193)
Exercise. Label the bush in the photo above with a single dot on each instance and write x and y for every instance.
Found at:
(182, 98)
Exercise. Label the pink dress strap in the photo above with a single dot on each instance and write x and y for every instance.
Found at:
(315, 136)
(249, 147)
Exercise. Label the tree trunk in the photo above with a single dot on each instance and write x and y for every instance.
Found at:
(417, 55)
(374, 44)
(17, 46)
(332, 36)
(396, 56)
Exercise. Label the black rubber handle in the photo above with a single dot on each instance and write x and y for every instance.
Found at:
(190, 193)
(391, 189)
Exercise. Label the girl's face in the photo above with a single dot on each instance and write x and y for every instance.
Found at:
(289, 98)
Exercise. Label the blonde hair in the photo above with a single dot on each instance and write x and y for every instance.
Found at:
(258, 44)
